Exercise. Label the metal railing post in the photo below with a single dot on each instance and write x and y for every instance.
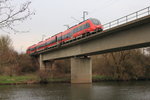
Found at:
(148, 10)
(136, 15)
(117, 22)
(110, 25)
(126, 18)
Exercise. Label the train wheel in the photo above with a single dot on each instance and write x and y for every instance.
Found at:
(88, 33)
(83, 35)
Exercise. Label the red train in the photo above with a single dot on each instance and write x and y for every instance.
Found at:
(87, 26)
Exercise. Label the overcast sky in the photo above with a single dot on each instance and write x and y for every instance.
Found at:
(52, 15)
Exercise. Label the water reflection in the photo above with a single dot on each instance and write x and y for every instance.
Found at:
(121, 91)
(96, 91)
(81, 91)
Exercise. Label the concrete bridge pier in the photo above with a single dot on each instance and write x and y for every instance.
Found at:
(42, 63)
(45, 65)
(81, 70)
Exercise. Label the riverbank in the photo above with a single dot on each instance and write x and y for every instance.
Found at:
(14, 80)
(34, 79)
(98, 78)
(30, 79)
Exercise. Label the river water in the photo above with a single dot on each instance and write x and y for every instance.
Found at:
(139, 90)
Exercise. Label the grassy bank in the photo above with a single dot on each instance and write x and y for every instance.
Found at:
(18, 79)
(34, 79)
(29, 79)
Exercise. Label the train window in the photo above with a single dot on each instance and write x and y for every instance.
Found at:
(63, 37)
(59, 38)
(44, 44)
(38, 47)
(32, 49)
(54, 40)
(77, 29)
(82, 27)
(69, 34)
(87, 25)
(48, 43)
(41, 46)
(73, 31)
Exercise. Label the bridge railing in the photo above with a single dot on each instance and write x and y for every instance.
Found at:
(128, 18)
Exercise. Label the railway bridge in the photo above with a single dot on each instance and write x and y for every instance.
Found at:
(129, 32)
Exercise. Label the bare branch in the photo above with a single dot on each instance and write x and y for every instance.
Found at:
(9, 15)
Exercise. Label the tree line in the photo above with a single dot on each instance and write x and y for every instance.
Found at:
(123, 65)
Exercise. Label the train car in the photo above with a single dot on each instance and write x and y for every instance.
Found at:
(64, 36)
(50, 42)
(59, 37)
(88, 26)
(31, 50)
(40, 46)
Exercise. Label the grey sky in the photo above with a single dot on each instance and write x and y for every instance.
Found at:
(51, 15)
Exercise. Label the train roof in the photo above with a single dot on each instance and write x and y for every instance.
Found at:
(82, 22)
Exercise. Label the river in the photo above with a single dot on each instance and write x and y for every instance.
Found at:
(139, 90)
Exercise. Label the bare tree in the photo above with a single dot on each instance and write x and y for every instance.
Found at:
(10, 15)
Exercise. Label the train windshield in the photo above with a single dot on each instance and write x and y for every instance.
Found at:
(95, 21)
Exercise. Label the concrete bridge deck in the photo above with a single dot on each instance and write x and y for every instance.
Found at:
(134, 34)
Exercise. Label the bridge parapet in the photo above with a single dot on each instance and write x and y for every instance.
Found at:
(133, 16)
